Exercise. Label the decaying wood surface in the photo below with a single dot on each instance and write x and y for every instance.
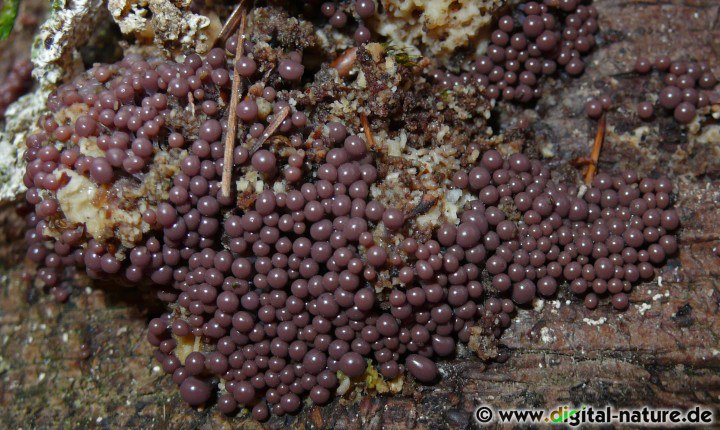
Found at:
(664, 351)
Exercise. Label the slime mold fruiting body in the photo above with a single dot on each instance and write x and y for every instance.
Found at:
(307, 277)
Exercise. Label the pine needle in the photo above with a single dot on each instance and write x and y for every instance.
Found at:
(232, 116)
(595, 155)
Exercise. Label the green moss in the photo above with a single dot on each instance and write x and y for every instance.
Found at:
(8, 14)
(400, 55)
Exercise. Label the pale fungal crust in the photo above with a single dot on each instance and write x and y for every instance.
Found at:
(332, 41)
(186, 345)
(20, 122)
(69, 26)
(250, 183)
(371, 381)
(85, 203)
(77, 201)
(710, 135)
(424, 166)
(170, 24)
(482, 342)
(116, 212)
(436, 28)
(344, 385)
(375, 381)
(131, 16)
(54, 55)
(415, 171)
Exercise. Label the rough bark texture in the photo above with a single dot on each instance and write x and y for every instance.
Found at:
(663, 351)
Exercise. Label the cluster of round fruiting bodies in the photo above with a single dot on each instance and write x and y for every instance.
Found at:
(282, 295)
(290, 300)
(538, 234)
(533, 42)
(689, 86)
(15, 84)
(337, 16)
(275, 300)
(111, 123)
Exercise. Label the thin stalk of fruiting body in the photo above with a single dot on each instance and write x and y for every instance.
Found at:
(368, 133)
(595, 155)
(232, 117)
(232, 22)
(277, 121)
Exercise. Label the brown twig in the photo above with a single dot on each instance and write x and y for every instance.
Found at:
(595, 155)
(232, 117)
(368, 133)
(345, 62)
(232, 22)
(580, 162)
(277, 121)
(426, 203)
